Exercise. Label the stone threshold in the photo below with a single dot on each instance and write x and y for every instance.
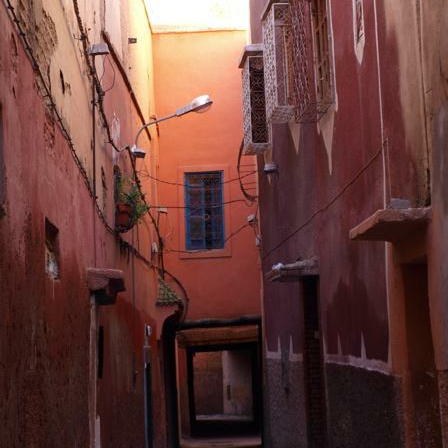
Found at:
(224, 442)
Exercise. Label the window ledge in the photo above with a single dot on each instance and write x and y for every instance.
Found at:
(295, 271)
(211, 253)
(392, 225)
(105, 284)
(250, 50)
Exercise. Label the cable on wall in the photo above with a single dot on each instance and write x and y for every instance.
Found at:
(325, 207)
(208, 250)
(49, 100)
(145, 173)
(247, 195)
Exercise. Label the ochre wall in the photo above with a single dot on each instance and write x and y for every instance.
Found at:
(187, 65)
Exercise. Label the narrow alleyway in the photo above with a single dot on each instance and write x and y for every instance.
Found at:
(223, 224)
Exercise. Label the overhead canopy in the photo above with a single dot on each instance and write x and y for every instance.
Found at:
(218, 335)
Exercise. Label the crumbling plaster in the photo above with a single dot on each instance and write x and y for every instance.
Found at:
(402, 20)
(47, 319)
(50, 27)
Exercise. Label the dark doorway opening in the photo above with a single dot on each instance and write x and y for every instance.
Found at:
(313, 362)
(423, 374)
(168, 354)
(224, 390)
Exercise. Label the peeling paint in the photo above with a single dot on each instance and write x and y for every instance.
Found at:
(401, 19)
(359, 31)
(277, 354)
(361, 362)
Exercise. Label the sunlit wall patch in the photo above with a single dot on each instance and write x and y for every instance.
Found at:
(359, 32)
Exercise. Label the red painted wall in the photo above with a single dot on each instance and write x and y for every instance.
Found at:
(45, 325)
(338, 175)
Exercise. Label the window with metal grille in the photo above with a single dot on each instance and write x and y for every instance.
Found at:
(322, 49)
(204, 211)
(359, 20)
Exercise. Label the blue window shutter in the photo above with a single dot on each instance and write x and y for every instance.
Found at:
(194, 212)
(217, 213)
(187, 213)
(204, 211)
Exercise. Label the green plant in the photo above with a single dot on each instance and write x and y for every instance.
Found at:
(129, 193)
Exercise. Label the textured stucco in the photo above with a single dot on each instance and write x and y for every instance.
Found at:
(390, 93)
(364, 408)
(284, 407)
(48, 336)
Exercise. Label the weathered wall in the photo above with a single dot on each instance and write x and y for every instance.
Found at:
(237, 382)
(369, 147)
(284, 410)
(361, 403)
(208, 381)
(45, 334)
(432, 20)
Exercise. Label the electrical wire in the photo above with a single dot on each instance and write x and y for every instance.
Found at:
(49, 100)
(212, 205)
(93, 74)
(325, 207)
(208, 250)
(104, 69)
(145, 173)
(247, 195)
(97, 83)
(113, 79)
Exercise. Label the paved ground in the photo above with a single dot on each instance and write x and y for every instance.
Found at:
(223, 442)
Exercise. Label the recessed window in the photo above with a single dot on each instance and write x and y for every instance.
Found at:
(204, 211)
(52, 265)
(359, 20)
(322, 50)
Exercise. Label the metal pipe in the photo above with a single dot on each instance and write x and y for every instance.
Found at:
(151, 123)
(94, 162)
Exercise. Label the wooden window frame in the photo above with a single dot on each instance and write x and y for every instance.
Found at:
(214, 234)
(184, 253)
(322, 49)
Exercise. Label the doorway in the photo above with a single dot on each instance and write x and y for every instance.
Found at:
(313, 363)
(224, 389)
(422, 371)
